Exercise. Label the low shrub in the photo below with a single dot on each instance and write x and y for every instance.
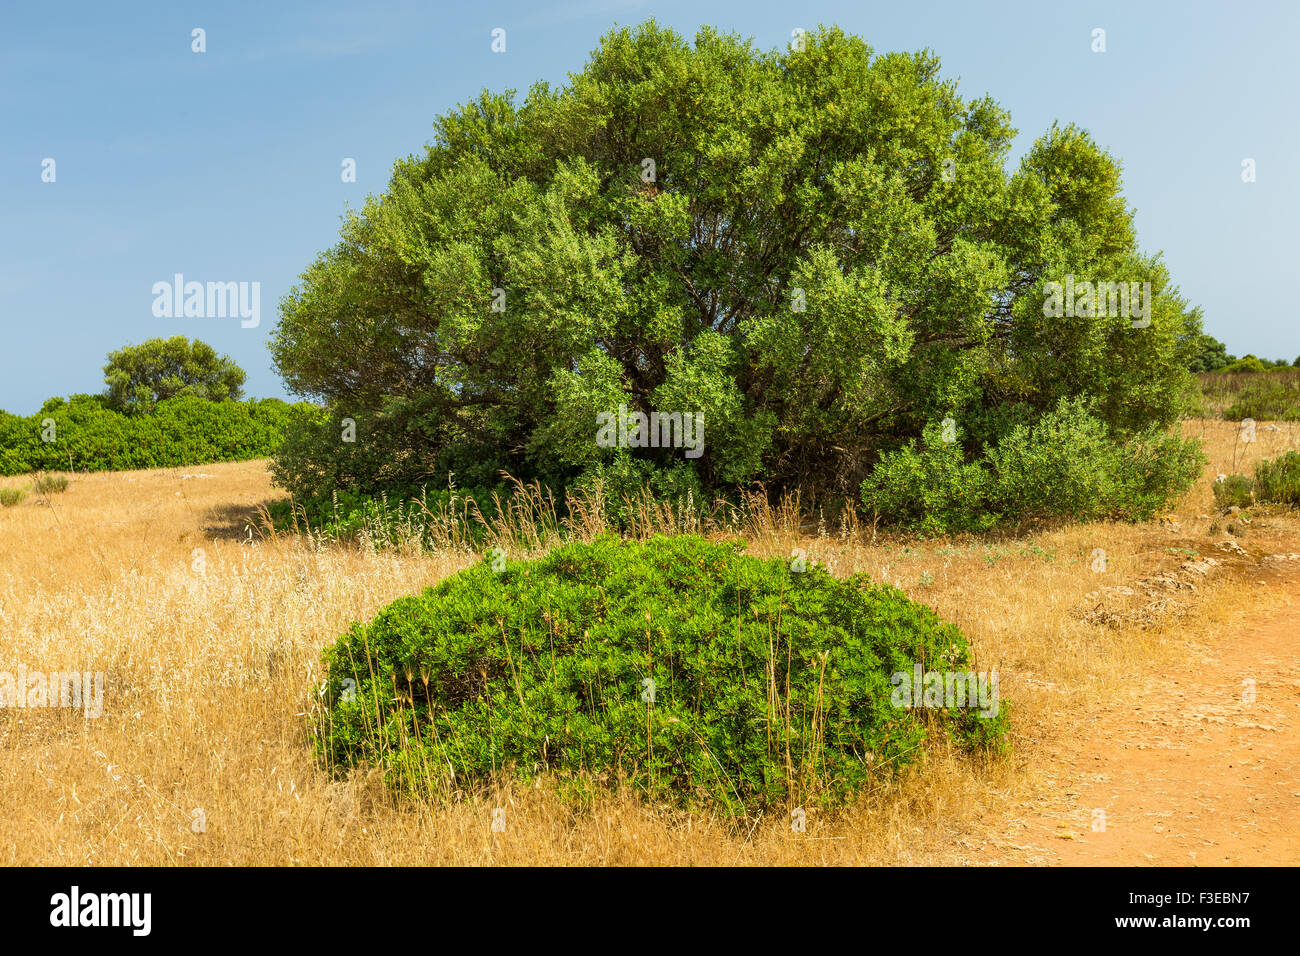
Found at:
(50, 484)
(929, 488)
(1066, 465)
(680, 667)
(11, 496)
(1156, 468)
(1234, 491)
(1277, 481)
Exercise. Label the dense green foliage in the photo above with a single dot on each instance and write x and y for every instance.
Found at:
(1277, 480)
(140, 376)
(1065, 464)
(83, 434)
(769, 684)
(829, 258)
(1211, 355)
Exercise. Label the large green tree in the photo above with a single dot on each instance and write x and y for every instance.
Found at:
(820, 249)
(1210, 355)
(140, 376)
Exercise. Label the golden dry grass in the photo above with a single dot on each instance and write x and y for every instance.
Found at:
(211, 659)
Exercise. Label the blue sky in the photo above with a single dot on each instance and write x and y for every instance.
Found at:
(225, 165)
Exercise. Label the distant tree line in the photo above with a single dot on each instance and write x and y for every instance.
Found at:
(167, 403)
(1212, 356)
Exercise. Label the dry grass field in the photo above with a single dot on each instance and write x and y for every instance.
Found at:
(209, 635)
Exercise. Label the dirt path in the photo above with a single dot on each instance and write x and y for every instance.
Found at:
(1187, 770)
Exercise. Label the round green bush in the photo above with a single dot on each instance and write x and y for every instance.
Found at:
(681, 667)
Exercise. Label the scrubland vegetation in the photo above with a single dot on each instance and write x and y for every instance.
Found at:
(1272, 395)
(437, 621)
(166, 402)
(179, 431)
(214, 677)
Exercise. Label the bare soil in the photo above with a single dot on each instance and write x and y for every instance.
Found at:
(1195, 765)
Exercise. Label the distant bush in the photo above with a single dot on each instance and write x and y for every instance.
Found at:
(1277, 481)
(186, 430)
(11, 496)
(50, 484)
(1248, 363)
(1269, 399)
(139, 376)
(1259, 395)
(678, 666)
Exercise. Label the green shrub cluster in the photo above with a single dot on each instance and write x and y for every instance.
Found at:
(11, 496)
(1276, 482)
(187, 430)
(1068, 464)
(1234, 491)
(770, 684)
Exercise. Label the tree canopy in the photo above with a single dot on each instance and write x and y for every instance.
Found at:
(140, 376)
(1211, 355)
(821, 250)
